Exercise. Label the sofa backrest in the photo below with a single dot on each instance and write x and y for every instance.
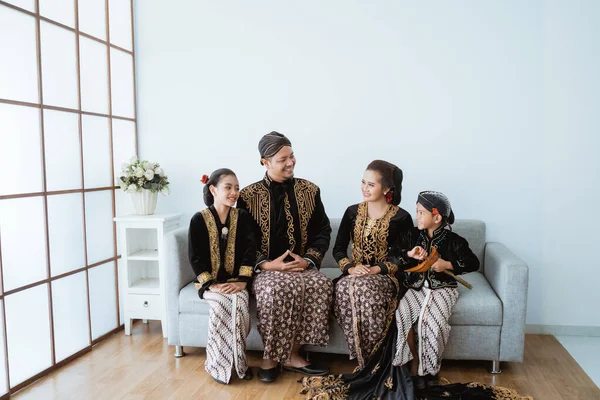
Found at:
(472, 230)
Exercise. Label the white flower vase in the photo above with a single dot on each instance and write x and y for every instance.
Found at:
(144, 202)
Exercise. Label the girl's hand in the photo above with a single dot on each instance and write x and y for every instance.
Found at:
(232, 287)
(441, 265)
(418, 253)
(215, 287)
(359, 270)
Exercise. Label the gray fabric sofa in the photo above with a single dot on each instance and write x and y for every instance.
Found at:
(488, 322)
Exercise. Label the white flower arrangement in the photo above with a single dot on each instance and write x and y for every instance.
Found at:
(138, 175)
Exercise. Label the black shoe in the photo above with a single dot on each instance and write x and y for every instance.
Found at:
(310, 370)
(219, 381)
(418, 382)
(268, 375)
(249, 375)
(432, 380)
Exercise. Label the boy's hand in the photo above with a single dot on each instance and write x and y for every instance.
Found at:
(441, 265)
(418, 253)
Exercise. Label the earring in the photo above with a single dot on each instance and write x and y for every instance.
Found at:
(388, 197)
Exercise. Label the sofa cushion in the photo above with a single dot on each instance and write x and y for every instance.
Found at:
(479, 306)
(189, 302)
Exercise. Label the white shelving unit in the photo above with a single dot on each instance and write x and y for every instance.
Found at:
(142, 274)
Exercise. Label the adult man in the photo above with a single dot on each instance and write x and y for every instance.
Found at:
(293, 233)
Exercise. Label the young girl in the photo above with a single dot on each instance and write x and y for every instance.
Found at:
(424, 311)
(222, 254)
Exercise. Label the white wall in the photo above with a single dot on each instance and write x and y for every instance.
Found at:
(494, 103)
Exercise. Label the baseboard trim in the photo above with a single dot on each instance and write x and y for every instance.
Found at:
(563, 330)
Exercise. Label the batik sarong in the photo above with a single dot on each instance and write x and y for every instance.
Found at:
(292, 309)
(430, 310)
(229, 326)
(361, 309)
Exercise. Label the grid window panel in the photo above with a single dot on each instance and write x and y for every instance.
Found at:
(94, 75)
(23, 235)
(103, 299)
(63, 151)
(62, 11)
(18, 49)
(120, 23)
(121, 69)
(65, 231)
(96, 151)
(3, 375)
(20, 149)
(59, 66)
(124, 144)
(28, 333)
(92, 18)
(28, 5)
(70, 314)
(99, 226)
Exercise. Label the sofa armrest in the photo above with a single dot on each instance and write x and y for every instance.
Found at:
(178, 274)
(508, 275)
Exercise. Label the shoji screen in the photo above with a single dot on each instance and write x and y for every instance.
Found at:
(67, 122)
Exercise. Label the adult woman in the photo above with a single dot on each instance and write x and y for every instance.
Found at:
(367, 291)
(222, 253)
(373, 227)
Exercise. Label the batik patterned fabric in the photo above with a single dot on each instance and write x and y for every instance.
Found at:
(430, 310)
(378, 379)
(292, 309)
(229, 326)
(361, 309)
(362, 303)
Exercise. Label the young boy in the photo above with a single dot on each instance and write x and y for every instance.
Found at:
(425, 309)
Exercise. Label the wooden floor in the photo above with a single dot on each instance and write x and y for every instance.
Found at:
(142, 366)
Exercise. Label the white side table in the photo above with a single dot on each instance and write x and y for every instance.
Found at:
(142, 276)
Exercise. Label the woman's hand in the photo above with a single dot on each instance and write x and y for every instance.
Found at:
(374, 270)
(418, 253)
(359, 270)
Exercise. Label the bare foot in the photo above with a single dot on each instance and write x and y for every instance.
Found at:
(296, 361)
(268, 364)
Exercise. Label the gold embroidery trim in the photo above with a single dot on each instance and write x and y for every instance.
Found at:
(230, 249)
(389, 383)
(257, 198)
(245, 271)
(392, 268)
(343, 263)
(306, 194)
(375, 369)
(315, 254)
(290, 221)
(370, 236)
(215, 255)
(359, 226)
(202, 279)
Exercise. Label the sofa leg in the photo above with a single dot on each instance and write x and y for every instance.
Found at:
(179, 352)
(495, 367)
